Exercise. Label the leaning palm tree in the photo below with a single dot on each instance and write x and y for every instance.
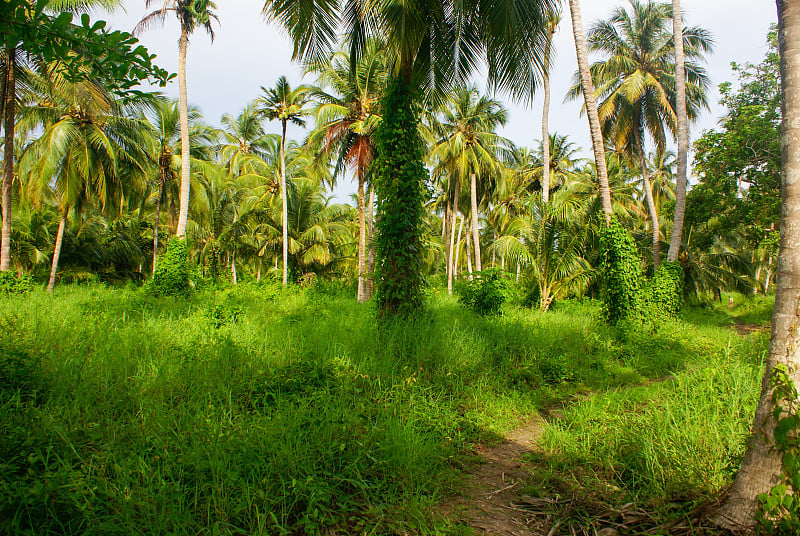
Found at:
(191, 14)
(286, 105)
(431, 45)
(635, 84)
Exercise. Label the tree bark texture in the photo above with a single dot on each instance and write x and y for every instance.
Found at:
(682, 133)
(9, 99)
(545, 121)
(370, 284)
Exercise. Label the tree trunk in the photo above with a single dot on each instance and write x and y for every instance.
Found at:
(651, 208)
(362, 240)
(452, 261)
(591, 107)
(284, 210)
(545, 120)
(233, 269)
(682, 132)
(258, 275)
(155, 227)
(183, 108)
(761, 465)
(370, 286)
(8, 157)
(476, 237)
(57, 251)
(455, 258)
(446, 224)
(467, 240)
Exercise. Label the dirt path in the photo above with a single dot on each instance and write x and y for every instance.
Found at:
(495, 484)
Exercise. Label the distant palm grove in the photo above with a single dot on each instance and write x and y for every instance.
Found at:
(186, 291)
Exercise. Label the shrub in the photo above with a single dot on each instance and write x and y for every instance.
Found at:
(485, 294)
(10, 283)
(172, 273)
(621, 273)
(663, 294)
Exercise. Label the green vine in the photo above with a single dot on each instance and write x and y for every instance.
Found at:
(172, 272)
(399, 176)
(664, 292)
(621, 273)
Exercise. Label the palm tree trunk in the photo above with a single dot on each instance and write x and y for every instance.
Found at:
(183, 108)
(591, 107)
(651, 208)
(455, 258)
(155, 227)
(473, 183)
(761, 464)
(370, 285)
(682, 132)
(362, 240)
(494, 253)
(284, 210)
(258, 275)
(9, 99)
(467, 240)
(233, 268)
(451, 260)
(57, 251)
(446, 224)
(545, 126)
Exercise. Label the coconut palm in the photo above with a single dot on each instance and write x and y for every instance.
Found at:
(682, 131)
(552, 25)
(286, 105)
(635, 84)
(563, 163)
(191, 14)
(347, 116)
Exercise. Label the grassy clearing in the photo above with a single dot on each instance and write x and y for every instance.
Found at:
(255, 410)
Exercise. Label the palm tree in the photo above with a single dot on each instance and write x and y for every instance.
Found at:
(431, 46)
(591, 107)
(563, 163)
(191, 14)
(468, 145)
(636, 84)
(347, 116)
(552, 24)
(682, 131)
(286, 105)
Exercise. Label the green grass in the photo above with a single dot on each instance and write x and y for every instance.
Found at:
(255, 410)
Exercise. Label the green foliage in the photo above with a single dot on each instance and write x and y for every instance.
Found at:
(172, 272)
(663, 294)
(11, 283)
(620, 272)
(399, 175)
(485, 294)
(779, 509)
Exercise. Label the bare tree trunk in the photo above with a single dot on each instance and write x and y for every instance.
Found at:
(284, 210)
(476, 237)
(682, 132)
(451, 260)
(258, 275)
(545, 120)
(458, 246)
(362, 240)
(370, 286)
(467, 240)
(494, 252)
(651, 208)
(183, 108)
(233, 268)
(155, 227)
(591, 107)
(57, 251)
(9, 100)
(761, 464)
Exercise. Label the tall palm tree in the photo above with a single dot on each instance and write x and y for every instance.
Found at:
(682, 131)
(191, 14)
(469, 146)
(636, 82)
(347, 117)
(431, 45)
(563, 163)
(286, 105)
(552, 25)
(591, 107)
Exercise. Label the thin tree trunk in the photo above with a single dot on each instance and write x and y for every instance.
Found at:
(494, 253)
(458, 246)
(370, 286)
(8, 157)
(476, 237)
(451, 260)
(519, 269)
(57, 251)
(591, 107)
(446, 237)
(183, 108)
(233, 268)
(467, 240)
(284, 210)
(545, 120)
(155, 227)
(761, 464)
(682, 132)
(362, 240)
(258, 275)
(651, 208)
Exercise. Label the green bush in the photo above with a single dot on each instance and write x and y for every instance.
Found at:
(10, 283)
(664, 292)
(485, 294)
(621, 273)
(173, 270)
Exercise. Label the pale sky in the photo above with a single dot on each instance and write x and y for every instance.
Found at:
(248, 53)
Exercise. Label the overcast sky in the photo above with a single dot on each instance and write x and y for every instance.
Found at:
(248, 53)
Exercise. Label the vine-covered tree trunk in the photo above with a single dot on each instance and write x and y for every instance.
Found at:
(399, 174)
(682, 132)
(761, 464)
(183, 109)
(591, 107)
(9, 107)
(57, 251)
